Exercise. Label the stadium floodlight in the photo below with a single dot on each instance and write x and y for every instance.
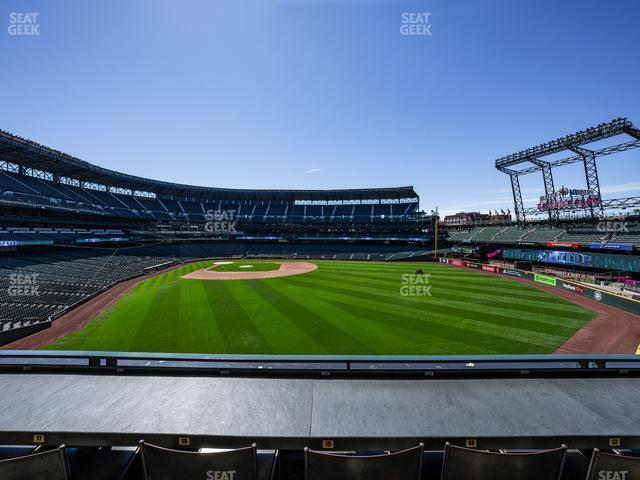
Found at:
(593, 134)
(574, 143)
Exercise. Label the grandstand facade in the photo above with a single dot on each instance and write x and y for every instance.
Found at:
(61, 194)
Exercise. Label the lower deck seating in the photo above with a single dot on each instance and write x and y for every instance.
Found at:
(36, 286)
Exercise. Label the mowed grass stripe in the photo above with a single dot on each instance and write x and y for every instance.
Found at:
(342, 307)
(371, 338)
(413, 327)
(279, 330)
(537, 302)
(380, 337)
(433, 305)
(398, 330)
(531, 295)
(451, 330)
(287, 301)
(442, 322)
(465, 307)
(197, 325)
(159, 327)
(239, 332)
(496, 285)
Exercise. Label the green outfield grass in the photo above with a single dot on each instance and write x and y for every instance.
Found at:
(340, 308)
(245, 266)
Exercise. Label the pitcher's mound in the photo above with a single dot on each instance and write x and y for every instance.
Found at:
(286, 269)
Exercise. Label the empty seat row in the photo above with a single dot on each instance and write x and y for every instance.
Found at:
(151, 462)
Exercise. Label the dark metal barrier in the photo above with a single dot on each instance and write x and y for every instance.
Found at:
(317, 366)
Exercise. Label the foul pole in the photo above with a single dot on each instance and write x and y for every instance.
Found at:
(435, 253)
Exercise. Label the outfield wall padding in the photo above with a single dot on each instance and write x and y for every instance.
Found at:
(11, 335)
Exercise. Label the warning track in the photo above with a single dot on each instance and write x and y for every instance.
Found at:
(612, 330)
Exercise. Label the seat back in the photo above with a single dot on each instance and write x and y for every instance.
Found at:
(609, 466)
(51, 465)
(161, 463)
(402, 465)
(467, 464)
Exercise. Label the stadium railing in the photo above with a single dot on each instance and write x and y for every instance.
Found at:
(92, 448)
(319, 366)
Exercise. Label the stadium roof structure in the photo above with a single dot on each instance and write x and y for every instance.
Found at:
(29, 154)
(573, 143)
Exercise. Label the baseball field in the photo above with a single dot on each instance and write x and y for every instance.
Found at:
(338, 308)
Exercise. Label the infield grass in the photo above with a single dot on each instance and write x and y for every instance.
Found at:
(245, 266)
(340, 308)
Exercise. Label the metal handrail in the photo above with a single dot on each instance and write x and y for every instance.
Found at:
(314, 365)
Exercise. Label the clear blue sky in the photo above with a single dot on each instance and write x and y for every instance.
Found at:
(255, 94)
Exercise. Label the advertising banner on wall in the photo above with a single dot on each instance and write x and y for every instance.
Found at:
(611, 246)
(512, 272)
(16, 243)
(605, 261)
(563, 244)
(545, 279)
(572, 287)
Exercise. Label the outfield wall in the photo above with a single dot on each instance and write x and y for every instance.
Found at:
(598, 295)
(605, 261)
(13, 334)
